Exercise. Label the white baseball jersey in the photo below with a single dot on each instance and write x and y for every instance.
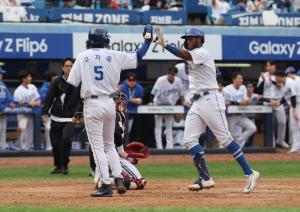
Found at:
(297, 89)
(253, 97)
(286, 91)
(99, 70)
(26, 94)
(202, 71)
(166, 93)
(183, 76)
(235, 95)
(268, 85)
(295, 124)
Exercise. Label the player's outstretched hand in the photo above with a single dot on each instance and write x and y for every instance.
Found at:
(160, 37)
(148, 33)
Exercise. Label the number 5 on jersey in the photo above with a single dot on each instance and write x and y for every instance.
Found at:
(98, 72)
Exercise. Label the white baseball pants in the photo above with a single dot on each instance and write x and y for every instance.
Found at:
(168, 119)
(130, 169)
(47, 125)
(280, 117)
(3, 126)
(248, 127)
(207, 111)
(25, 123)
(295, 127)
(99, 116)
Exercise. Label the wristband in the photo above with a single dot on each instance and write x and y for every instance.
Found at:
(174, 50)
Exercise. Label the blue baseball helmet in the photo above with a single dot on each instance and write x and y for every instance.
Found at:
(193, 32)
(2, 71)
(98, 37)
(290, 69)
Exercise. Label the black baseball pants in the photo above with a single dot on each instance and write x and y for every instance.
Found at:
(61, 136)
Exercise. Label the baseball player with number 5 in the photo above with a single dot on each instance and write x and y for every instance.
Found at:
(98, 70)
(208, 108)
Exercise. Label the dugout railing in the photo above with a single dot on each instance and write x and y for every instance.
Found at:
(266, 111)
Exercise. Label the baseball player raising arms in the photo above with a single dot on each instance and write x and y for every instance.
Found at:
(98, 69)
(208, 108)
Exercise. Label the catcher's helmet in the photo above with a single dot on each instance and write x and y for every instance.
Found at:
(193, 32)
(97, 37)
(120, 98)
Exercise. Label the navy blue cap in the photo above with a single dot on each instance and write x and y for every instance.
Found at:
(2, 71)
(193, 32)
(290, 69)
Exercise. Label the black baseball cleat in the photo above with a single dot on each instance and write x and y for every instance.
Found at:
(121, 189)
(64, 170)
(202, 184)
(56, 170)
(104, 191)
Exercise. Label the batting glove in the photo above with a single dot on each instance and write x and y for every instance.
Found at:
(148, 33)
(160, 37)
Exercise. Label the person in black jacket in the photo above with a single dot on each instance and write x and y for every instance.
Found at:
(61, 130)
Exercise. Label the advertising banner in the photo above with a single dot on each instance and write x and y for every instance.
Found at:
(35, 45)
(260, 48)
(255, 19)
(133, 41)
(103, 16)
(167, 17)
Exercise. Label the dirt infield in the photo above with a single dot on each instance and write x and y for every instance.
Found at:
(163, 193)
(158, 193)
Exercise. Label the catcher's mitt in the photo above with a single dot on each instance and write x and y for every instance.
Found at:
(137, 150)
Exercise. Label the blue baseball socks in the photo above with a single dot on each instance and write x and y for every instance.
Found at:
(199, 161)
(238, 155)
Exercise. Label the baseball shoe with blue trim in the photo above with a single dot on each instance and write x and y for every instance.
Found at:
(251, 182)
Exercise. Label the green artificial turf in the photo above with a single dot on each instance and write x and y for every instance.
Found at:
(4, 208)
(272, 169)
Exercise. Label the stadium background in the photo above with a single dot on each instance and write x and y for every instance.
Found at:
(234, 49)
(62, 32)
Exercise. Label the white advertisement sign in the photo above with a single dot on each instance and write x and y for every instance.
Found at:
(160, 109)
(133, 41)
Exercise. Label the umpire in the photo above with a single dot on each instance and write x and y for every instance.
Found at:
(61, 130)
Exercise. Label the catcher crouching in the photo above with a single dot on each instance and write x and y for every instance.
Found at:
(129, 156)
(133, 179)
